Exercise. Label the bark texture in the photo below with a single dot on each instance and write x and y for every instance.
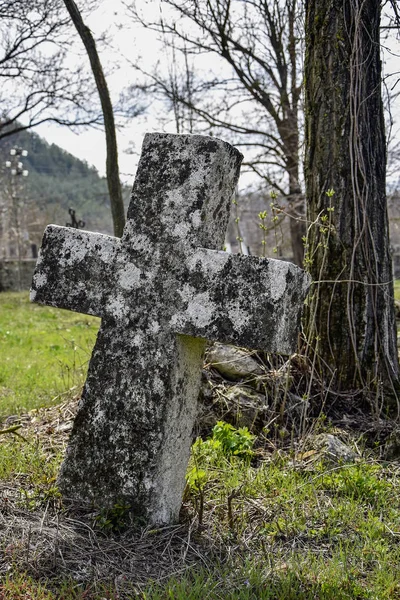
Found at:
(350, 321)
(112, 169)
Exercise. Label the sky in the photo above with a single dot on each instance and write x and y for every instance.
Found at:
(132, 42)
(135, 43)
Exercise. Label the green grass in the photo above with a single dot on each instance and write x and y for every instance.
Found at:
(44, 352)
(283, 530)
(397, 289)
(280, 529)
(326, 532)
(288, 534)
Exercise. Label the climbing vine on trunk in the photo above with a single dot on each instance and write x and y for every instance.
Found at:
(350, 319)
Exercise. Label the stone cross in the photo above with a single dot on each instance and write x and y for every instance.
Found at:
(162, 290)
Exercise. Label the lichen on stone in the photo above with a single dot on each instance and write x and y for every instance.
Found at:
(161, 290)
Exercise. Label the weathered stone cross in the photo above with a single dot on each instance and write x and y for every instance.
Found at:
(162, 290)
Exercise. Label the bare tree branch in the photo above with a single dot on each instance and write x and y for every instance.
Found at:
(37, 85)
(112, 169)
(258, 41)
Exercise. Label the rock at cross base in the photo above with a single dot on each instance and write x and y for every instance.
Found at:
(233, 362)
(162, 290)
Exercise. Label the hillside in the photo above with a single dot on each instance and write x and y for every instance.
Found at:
(57, 180)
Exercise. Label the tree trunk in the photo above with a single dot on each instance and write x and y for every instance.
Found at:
(288, 130)
(350, 322)
(296, 212)
(112, 170)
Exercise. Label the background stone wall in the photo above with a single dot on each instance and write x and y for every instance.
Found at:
(16, 275)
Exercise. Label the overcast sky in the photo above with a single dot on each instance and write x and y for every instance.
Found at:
(135, 44)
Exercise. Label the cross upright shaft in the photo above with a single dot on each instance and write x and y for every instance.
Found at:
(162, 290)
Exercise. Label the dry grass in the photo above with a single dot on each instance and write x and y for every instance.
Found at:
(287, 525)
(39, 537)
(49, 543)
(291, 514)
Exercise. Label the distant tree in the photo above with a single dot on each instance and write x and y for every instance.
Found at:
(258, 102)
(112, 169)
(37, 84)
(350, 321)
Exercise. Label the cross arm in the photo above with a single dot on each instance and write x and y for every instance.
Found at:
(74, 270)
(242, 300)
